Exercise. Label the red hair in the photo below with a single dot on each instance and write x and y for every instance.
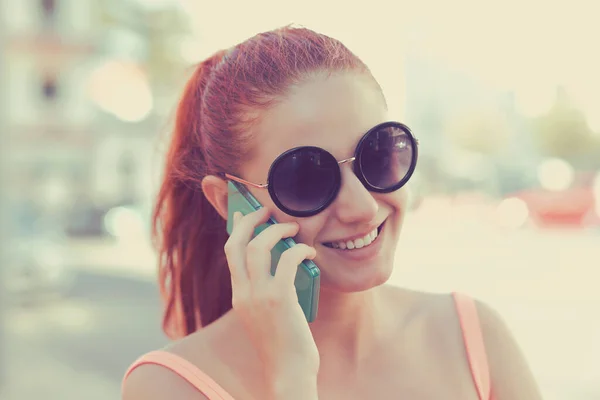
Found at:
(220, 103)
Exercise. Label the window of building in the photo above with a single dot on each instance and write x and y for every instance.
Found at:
(49, 10)
(49, 88)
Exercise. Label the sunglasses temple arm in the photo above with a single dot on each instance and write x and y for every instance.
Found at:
(245, 182)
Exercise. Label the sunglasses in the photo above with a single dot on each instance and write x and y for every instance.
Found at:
(305, 180)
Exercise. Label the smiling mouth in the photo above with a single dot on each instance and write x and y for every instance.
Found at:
(356, 244)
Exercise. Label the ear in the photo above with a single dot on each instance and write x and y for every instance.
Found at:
(215, 190)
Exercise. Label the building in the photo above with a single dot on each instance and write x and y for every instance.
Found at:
(68, 143)
(51, 126)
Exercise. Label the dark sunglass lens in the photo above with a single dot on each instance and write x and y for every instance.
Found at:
(386, 156)
(304, 179)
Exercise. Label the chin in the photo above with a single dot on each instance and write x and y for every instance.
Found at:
(351, 281)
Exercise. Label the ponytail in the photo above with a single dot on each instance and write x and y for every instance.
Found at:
(188, 232)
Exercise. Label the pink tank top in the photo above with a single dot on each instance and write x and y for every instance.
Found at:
(469, 323)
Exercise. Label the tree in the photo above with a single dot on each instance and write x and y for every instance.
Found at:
(563, 132)
(162, 30)
(484, 131)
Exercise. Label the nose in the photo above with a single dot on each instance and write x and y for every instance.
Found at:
(354, 203)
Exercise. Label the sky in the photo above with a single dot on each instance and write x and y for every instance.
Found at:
(528, 46)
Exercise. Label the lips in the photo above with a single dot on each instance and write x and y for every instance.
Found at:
(357, 243)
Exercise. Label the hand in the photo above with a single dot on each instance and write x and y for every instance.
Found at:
(268, 305)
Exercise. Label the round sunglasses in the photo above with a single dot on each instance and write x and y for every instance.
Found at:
(305, 180)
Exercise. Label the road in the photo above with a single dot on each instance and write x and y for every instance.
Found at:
(99, 329)
(545, 285)
(104, 324)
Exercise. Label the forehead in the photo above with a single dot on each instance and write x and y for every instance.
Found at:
(331, 112)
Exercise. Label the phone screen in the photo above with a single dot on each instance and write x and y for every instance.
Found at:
(307, 280)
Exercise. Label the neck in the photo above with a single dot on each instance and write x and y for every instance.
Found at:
(348, 325)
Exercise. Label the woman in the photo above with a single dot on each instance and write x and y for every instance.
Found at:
(243, 109)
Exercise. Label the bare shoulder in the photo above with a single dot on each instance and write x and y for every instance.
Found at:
(220, 352)
(433, 316)
(432, 339)
(511, 375)
(155, 382)
(152, 382)
(509, 371)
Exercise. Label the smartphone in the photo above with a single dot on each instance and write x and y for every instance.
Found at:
(307, 280)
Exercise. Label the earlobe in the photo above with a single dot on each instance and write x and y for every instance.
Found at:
(215, 190)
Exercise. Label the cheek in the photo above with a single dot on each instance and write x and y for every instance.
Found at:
(401, 197)
(309, 227)
(397, 200)
(263, 197)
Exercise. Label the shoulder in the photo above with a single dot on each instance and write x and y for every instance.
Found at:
(500, 342)
(436, 313)
(435, 318)
(219, 355)
(494, 328)
(432, 335)
(155, 381)
(440, 310)
(510, 373)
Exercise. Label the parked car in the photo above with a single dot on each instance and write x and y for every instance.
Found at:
(574, 207)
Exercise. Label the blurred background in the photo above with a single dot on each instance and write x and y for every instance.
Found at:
(504, 97)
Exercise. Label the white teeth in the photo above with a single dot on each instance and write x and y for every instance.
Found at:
(356, 243)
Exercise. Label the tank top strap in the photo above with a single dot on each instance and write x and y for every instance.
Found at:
(186, 370)
(474, 344)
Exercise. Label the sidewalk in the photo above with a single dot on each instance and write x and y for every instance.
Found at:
(33, 374)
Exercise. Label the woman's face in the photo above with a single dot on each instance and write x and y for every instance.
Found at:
(334, 113)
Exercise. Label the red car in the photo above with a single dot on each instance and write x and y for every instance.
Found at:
(574, 207)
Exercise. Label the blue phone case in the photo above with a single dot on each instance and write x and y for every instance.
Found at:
(307, 280)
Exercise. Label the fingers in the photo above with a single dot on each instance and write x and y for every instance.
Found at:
(244, 226)
(235, 250)
(258, 252)
(289, 261)
(249, 258)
